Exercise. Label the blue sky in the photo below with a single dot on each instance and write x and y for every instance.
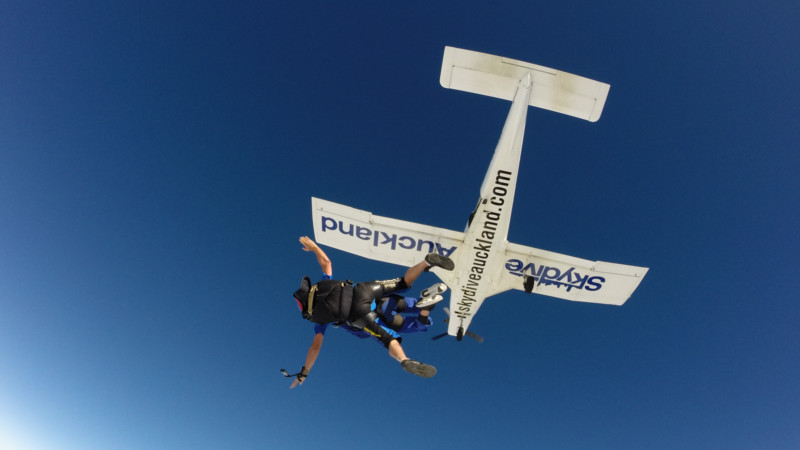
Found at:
(156, 169)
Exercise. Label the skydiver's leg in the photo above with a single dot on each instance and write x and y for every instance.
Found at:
(431, 259)
(395, 303)
(409, 365)
(363, 300)
(411, 275)
(415, 324)
(372, 325)
(389, 310)
(414, 272)
(363, 312)
(384, 288)
(392, 305)
(411, 305)
(396, 351)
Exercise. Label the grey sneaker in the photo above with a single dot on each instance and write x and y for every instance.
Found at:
(437, 288)
(418, 368)
(429, 302)
(435, 259)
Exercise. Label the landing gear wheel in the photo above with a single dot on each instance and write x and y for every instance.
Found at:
(528, 284)
(460, 334)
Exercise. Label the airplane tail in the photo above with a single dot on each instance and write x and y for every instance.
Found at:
(496, 76)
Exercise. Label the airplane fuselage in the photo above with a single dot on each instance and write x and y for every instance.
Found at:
(479, 260)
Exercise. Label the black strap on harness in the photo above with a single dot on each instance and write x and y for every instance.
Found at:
(301, 295)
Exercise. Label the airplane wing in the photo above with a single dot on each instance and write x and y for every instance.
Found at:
(567, 277)
(381, 238)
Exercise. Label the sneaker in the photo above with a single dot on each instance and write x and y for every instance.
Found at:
(429, 302)
(435, 259)
(418, 368)
(437, 288)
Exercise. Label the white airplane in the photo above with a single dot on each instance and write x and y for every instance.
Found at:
(485, 262)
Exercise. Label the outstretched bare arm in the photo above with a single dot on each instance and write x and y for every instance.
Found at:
(311, 358)
(323, 260)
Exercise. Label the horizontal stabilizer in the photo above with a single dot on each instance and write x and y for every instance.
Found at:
(496, 76)
(569, 278)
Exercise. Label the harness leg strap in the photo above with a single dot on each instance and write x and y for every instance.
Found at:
(370, 324)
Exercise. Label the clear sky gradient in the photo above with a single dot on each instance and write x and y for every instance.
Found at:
(157, 161)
